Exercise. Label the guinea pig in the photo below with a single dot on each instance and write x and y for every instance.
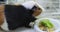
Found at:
(1, 15)
(20, 16)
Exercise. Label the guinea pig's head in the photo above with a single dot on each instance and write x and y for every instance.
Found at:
(37, 11)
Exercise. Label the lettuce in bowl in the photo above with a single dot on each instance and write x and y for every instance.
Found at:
(46, 23)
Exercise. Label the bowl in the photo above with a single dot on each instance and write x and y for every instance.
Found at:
(55, 22)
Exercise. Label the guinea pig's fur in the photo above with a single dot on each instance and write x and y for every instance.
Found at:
(1, 14)
(18, 16)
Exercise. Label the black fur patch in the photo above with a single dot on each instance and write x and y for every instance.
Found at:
(18, 16)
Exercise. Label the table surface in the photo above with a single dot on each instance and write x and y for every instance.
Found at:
(23, 29)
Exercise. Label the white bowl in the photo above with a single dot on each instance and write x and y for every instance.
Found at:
(54, 21)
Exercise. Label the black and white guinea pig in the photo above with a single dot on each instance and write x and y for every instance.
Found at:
(20, 16)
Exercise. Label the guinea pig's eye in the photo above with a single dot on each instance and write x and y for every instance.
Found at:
(39, 8)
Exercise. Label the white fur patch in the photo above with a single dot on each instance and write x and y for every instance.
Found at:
(4, 26)
(28, 4)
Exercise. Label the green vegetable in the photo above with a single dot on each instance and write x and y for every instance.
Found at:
(46, 23)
